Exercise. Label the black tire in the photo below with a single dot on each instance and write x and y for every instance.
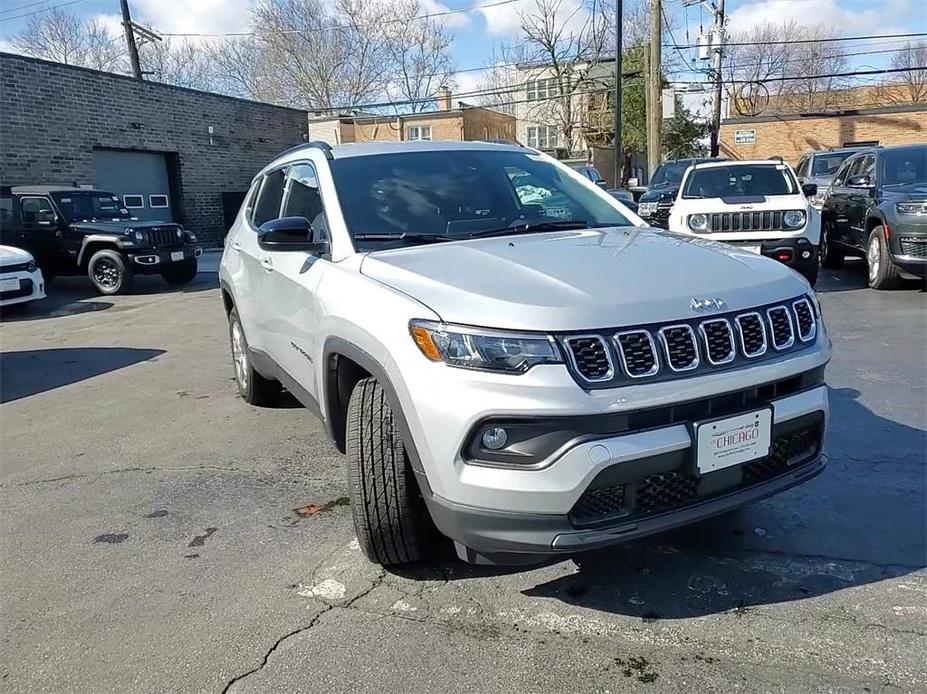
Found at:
(389, 514)
(183, 272)
(831, 256)
(811, 274)
(252, 386)
(110, 273)
(881, 271)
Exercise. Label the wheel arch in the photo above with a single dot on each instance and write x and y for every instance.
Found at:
(93, 243)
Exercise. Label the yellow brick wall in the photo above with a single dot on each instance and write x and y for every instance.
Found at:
(483, 124)
(466, 124)
(790, 139)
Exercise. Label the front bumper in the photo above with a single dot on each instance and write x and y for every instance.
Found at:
(31, 287)
(153, 260)
(908, 245)
(797, 253)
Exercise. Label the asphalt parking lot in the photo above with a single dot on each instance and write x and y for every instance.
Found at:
(158, 534)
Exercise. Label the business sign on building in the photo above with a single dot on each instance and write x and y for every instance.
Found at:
(745, 137)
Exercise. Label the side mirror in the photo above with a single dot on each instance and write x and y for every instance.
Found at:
(45, 218)
(859, 182)
(601, 184)
(290, 234)
(809, 189)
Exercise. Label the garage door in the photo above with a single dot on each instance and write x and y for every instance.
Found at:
(140, 180)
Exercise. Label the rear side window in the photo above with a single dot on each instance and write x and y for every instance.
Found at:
(841, 177)
(268, 202)
(303, 198)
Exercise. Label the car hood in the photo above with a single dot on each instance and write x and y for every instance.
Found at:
(579, 280)
(660, 194)
(13, 256)
(912, 192)
(118, 227)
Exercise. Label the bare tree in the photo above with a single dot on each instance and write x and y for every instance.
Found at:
(808, 68)
(499, 85)
(419, 51)
(181, 63)
(241, 67)
(909, 86)
(60, 36)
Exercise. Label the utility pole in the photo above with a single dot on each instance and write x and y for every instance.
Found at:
(619, 13)
(130, 40)
(655, 87)
(716, 100)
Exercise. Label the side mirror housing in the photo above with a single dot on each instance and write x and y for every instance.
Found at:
(289, 234)
(46, 218)
(859, 182)
(809, 189)
(601, 184)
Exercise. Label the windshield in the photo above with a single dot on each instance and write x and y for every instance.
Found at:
(78, 206)
(669, 173)
(453, 194)
(827, 164)
(903, 167)
(738, 181)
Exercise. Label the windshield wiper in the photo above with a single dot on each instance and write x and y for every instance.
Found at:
(411, 238)
(537, 227)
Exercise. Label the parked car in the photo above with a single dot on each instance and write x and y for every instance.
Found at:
(621, 194)
(531, 373)
(20, 278)
(877, 208)
(655, 204)
(72, 231)
(819, 167)
(756, 205)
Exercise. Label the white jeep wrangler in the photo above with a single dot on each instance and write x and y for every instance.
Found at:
(504, 352)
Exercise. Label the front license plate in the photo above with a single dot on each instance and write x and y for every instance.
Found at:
(734, 440)
(9, 285)
(177, 255)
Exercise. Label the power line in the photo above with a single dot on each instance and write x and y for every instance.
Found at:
(335, 27)
(46, 9)
(27, 5)
(824, 40)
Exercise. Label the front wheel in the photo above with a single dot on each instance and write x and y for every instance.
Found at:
(882, 271)
(179, 273)
(831, 256)
(109, 272)
(389, 513)
(811, 273)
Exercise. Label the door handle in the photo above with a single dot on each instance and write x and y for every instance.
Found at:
(236, 246)
(267, 264)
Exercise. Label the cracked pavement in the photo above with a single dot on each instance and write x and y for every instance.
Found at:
(151, 540)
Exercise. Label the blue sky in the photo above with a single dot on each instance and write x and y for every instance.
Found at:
(476, 32)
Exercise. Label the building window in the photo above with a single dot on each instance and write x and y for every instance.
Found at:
(419, 132)
(134, 202)
(542, 89)
(542, 136)
(156, 201)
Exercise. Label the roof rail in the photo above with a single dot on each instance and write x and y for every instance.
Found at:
(316, 144)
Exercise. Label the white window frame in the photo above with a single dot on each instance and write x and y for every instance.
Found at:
(542, 136)
(140, 196)
(167, 201)
(543, 88)
(419, 133)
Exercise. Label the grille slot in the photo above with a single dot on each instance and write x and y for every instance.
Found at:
(638, 353)
(18, 267)
(590, 357)
(679, 347)
(804, 318)
(780, 324)
(746, 221)
(596, 505)
(665, 490)
(752, 334)
(719, 340)
(163, 238)
(914, 247)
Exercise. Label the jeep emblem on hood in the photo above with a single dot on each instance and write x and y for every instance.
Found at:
(703, 305)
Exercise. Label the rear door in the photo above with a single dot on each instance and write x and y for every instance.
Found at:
(838, 203)
(858, 200)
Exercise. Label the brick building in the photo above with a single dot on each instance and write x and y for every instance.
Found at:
(68, 125)
(447, 123)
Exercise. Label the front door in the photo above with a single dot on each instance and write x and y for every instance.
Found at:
(42, 232)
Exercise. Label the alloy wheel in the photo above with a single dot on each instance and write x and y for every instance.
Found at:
(874, 257)
(239, 356)
(106, 272)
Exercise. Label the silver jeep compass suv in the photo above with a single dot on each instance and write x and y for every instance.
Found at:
(505, 352)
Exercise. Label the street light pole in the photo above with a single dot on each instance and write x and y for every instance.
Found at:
(619, 12)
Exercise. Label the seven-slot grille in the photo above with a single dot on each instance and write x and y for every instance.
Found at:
(915, 247)
(719, 340)
(746, 221)
(781, 323)
(695, 345)
(680, 348)
(163, 238)
(637, 352)
(590, 357)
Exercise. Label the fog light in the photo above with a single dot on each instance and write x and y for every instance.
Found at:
(495, 438)
(806, 254)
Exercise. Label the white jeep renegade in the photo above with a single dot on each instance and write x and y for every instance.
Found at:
(504, 352)
(756, 205)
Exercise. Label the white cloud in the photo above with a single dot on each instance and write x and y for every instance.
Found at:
(890, 17)
(503, 19)
(452, 21)
(193, 16)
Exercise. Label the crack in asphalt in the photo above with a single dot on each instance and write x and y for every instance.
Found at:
(376, 583)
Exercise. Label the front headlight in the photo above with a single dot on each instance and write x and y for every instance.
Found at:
(645, 209)
(487, 350)
(30, 266)
(817, 200)
(698, 222)
(911, 207)
(794, 219)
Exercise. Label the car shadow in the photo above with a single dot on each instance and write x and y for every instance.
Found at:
(30, 372)
(862, 521)
(853, 276)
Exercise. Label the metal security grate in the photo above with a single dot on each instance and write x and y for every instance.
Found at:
(598, 504)
(637, 352)
(719, 340)
(780, 324)
(164, 238)
(665, 490)
(747, 221)
(679, 346)
(804, 317)
(914, 247)
(590, 357)
(752, 334)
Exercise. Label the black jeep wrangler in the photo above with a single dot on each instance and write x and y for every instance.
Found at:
(72, 230)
